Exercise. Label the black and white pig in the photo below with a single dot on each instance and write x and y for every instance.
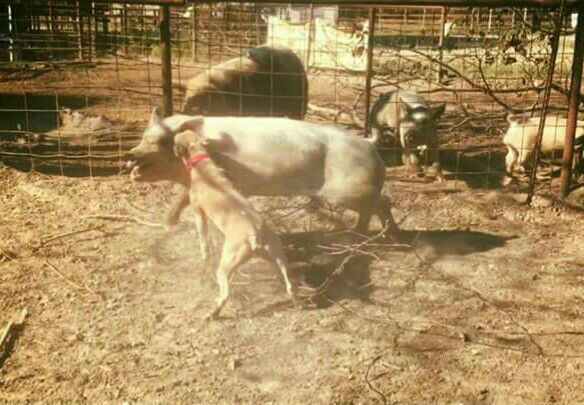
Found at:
(411, 123)
(271, 157)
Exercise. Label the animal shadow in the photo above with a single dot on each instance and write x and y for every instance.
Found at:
(332, 265)
(335, 265)
(431, 245)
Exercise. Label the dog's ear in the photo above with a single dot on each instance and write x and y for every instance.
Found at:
(194, 124)
(155, 116)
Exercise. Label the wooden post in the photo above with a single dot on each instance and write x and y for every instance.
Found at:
(574, 103)
(166, 68)
(369, 74)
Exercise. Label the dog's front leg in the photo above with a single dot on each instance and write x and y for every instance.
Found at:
(177, 208)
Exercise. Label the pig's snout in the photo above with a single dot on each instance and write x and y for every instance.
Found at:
(130, 159)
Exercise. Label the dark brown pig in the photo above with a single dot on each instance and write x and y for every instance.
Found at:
(267, 82)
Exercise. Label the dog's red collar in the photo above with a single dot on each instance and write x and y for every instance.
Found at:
(195, 160)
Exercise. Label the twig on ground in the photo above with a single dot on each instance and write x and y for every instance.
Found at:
(136, 207)
(6, 255)
(124, 218)
(65, 235)
(69, 281)
(371, 387)
(348, 252)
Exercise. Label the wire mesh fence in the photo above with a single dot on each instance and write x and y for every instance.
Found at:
(78, 79)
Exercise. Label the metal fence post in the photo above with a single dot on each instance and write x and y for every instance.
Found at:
(80, 44)
(574, 103)
(545, 101)
(166, 68)
(369, 76)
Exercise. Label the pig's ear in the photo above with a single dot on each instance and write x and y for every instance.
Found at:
(193, 124)
(155, 116)
(438, 111)
(408, 109)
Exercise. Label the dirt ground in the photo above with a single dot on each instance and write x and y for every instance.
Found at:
(486, 308)
(481, 304)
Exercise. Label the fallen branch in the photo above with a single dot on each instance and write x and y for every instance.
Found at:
(70, 282)
(371, 387)
(6, 255)
(65, 235)
(125, 218)
(348, 252)
(136, 207)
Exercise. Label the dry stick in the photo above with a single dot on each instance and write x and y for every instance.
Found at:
(355, 250)
(65, 235)
(6, 255)
(136, 207)
(70, 282)
(371, 387)
(124, 218)
(13, 324)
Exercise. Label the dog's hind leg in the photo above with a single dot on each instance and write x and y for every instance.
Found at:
(202, 233)
(232, 256)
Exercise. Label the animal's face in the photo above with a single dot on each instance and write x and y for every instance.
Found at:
(418, 124)
(186, 143)
(154, 158)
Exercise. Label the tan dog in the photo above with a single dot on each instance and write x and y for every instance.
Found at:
(215, 198)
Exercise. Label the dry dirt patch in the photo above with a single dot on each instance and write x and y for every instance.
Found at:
(494, 315)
